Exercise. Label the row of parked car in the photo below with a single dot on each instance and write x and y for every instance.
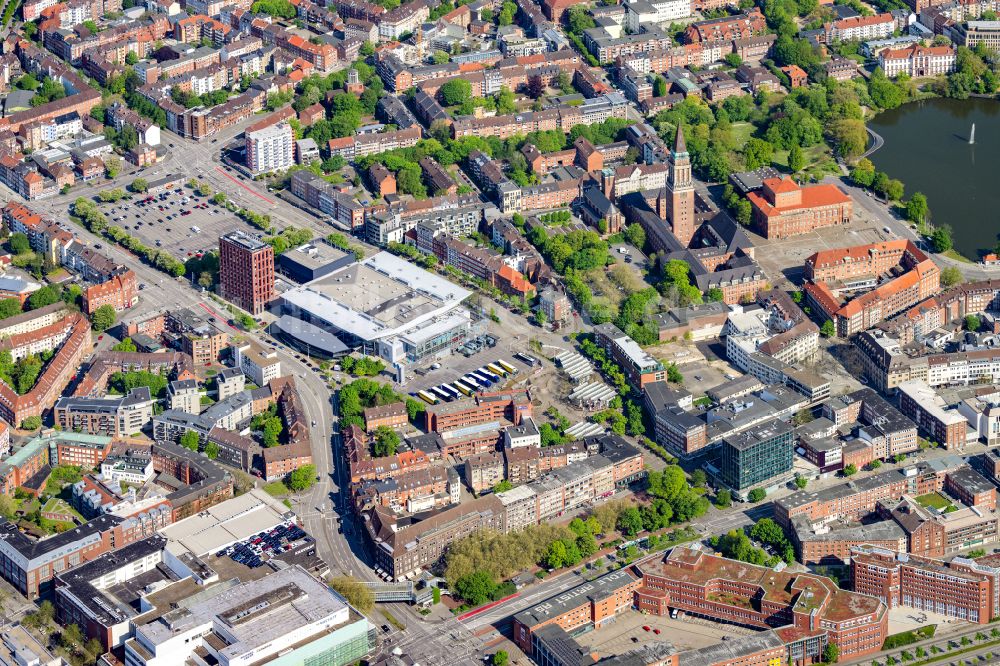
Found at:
(259, 548)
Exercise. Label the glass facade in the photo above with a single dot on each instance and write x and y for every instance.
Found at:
(755, 457)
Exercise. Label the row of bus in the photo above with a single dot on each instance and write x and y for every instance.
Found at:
(478, 380)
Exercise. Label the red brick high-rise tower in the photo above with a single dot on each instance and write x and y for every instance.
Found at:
(246, 271)
(681, 186)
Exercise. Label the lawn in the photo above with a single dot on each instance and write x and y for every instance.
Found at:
(276, 489)
(703, 401)
(954, 254)
(56, 505)
(934, 501)
(819, 161)
(741, 133)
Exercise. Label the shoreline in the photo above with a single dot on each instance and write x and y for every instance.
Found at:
(877, 142)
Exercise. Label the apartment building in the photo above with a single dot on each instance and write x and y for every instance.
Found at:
(119, 416)
(860, 28)
(482, 408)
(270, 148)
(640, 368)
(120, 292)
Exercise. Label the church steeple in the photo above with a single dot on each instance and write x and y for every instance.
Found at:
(681, 185)
(680, 146)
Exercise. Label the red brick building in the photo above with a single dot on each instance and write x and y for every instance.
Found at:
(727, 590)
(783, 208)
(483, 408)
(120, 292)
(246, 271)
(961, 589)
(394, 415)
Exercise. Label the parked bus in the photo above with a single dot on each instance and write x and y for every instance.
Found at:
(439, 393)
(489, 374)
(466, 390)
(496, 370)
(484, 378)
(473, 380)
(427, 397)
(530, 360)
(507, 366)
(452, 393)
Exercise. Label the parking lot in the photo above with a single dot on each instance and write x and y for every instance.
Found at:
(256, 550)
(456, 366)
(175, 221)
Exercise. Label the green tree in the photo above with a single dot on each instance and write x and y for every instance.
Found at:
(103, 318)
(131, 58)
(757, 153)
(505, 101)
(19, 243)
(190, 440)
(850, 470)
(796, 160)
(503, 486)
(630, 522)
(659, 86)
(139, 185)
(917, 209)
(112, 166)
(455, 92)
(831, 653)
(500, 658)
(386, 442)
(940, 239)
(972, 323)
(950, 276)
(756, 495)
(828, 330)
(894, 189)
(723, 499)
(864, 173)
(126, 345)
(31, 423)
(9, 307)
(556, 555)
(357, 593)
(801, 482)
(476, 588)
(303, 478)
(47, 295)
(212, 450)
(271, 432)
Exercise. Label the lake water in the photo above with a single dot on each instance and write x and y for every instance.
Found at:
(927, 147)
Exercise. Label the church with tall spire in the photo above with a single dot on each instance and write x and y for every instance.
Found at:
(675, 202)
(717, 250)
